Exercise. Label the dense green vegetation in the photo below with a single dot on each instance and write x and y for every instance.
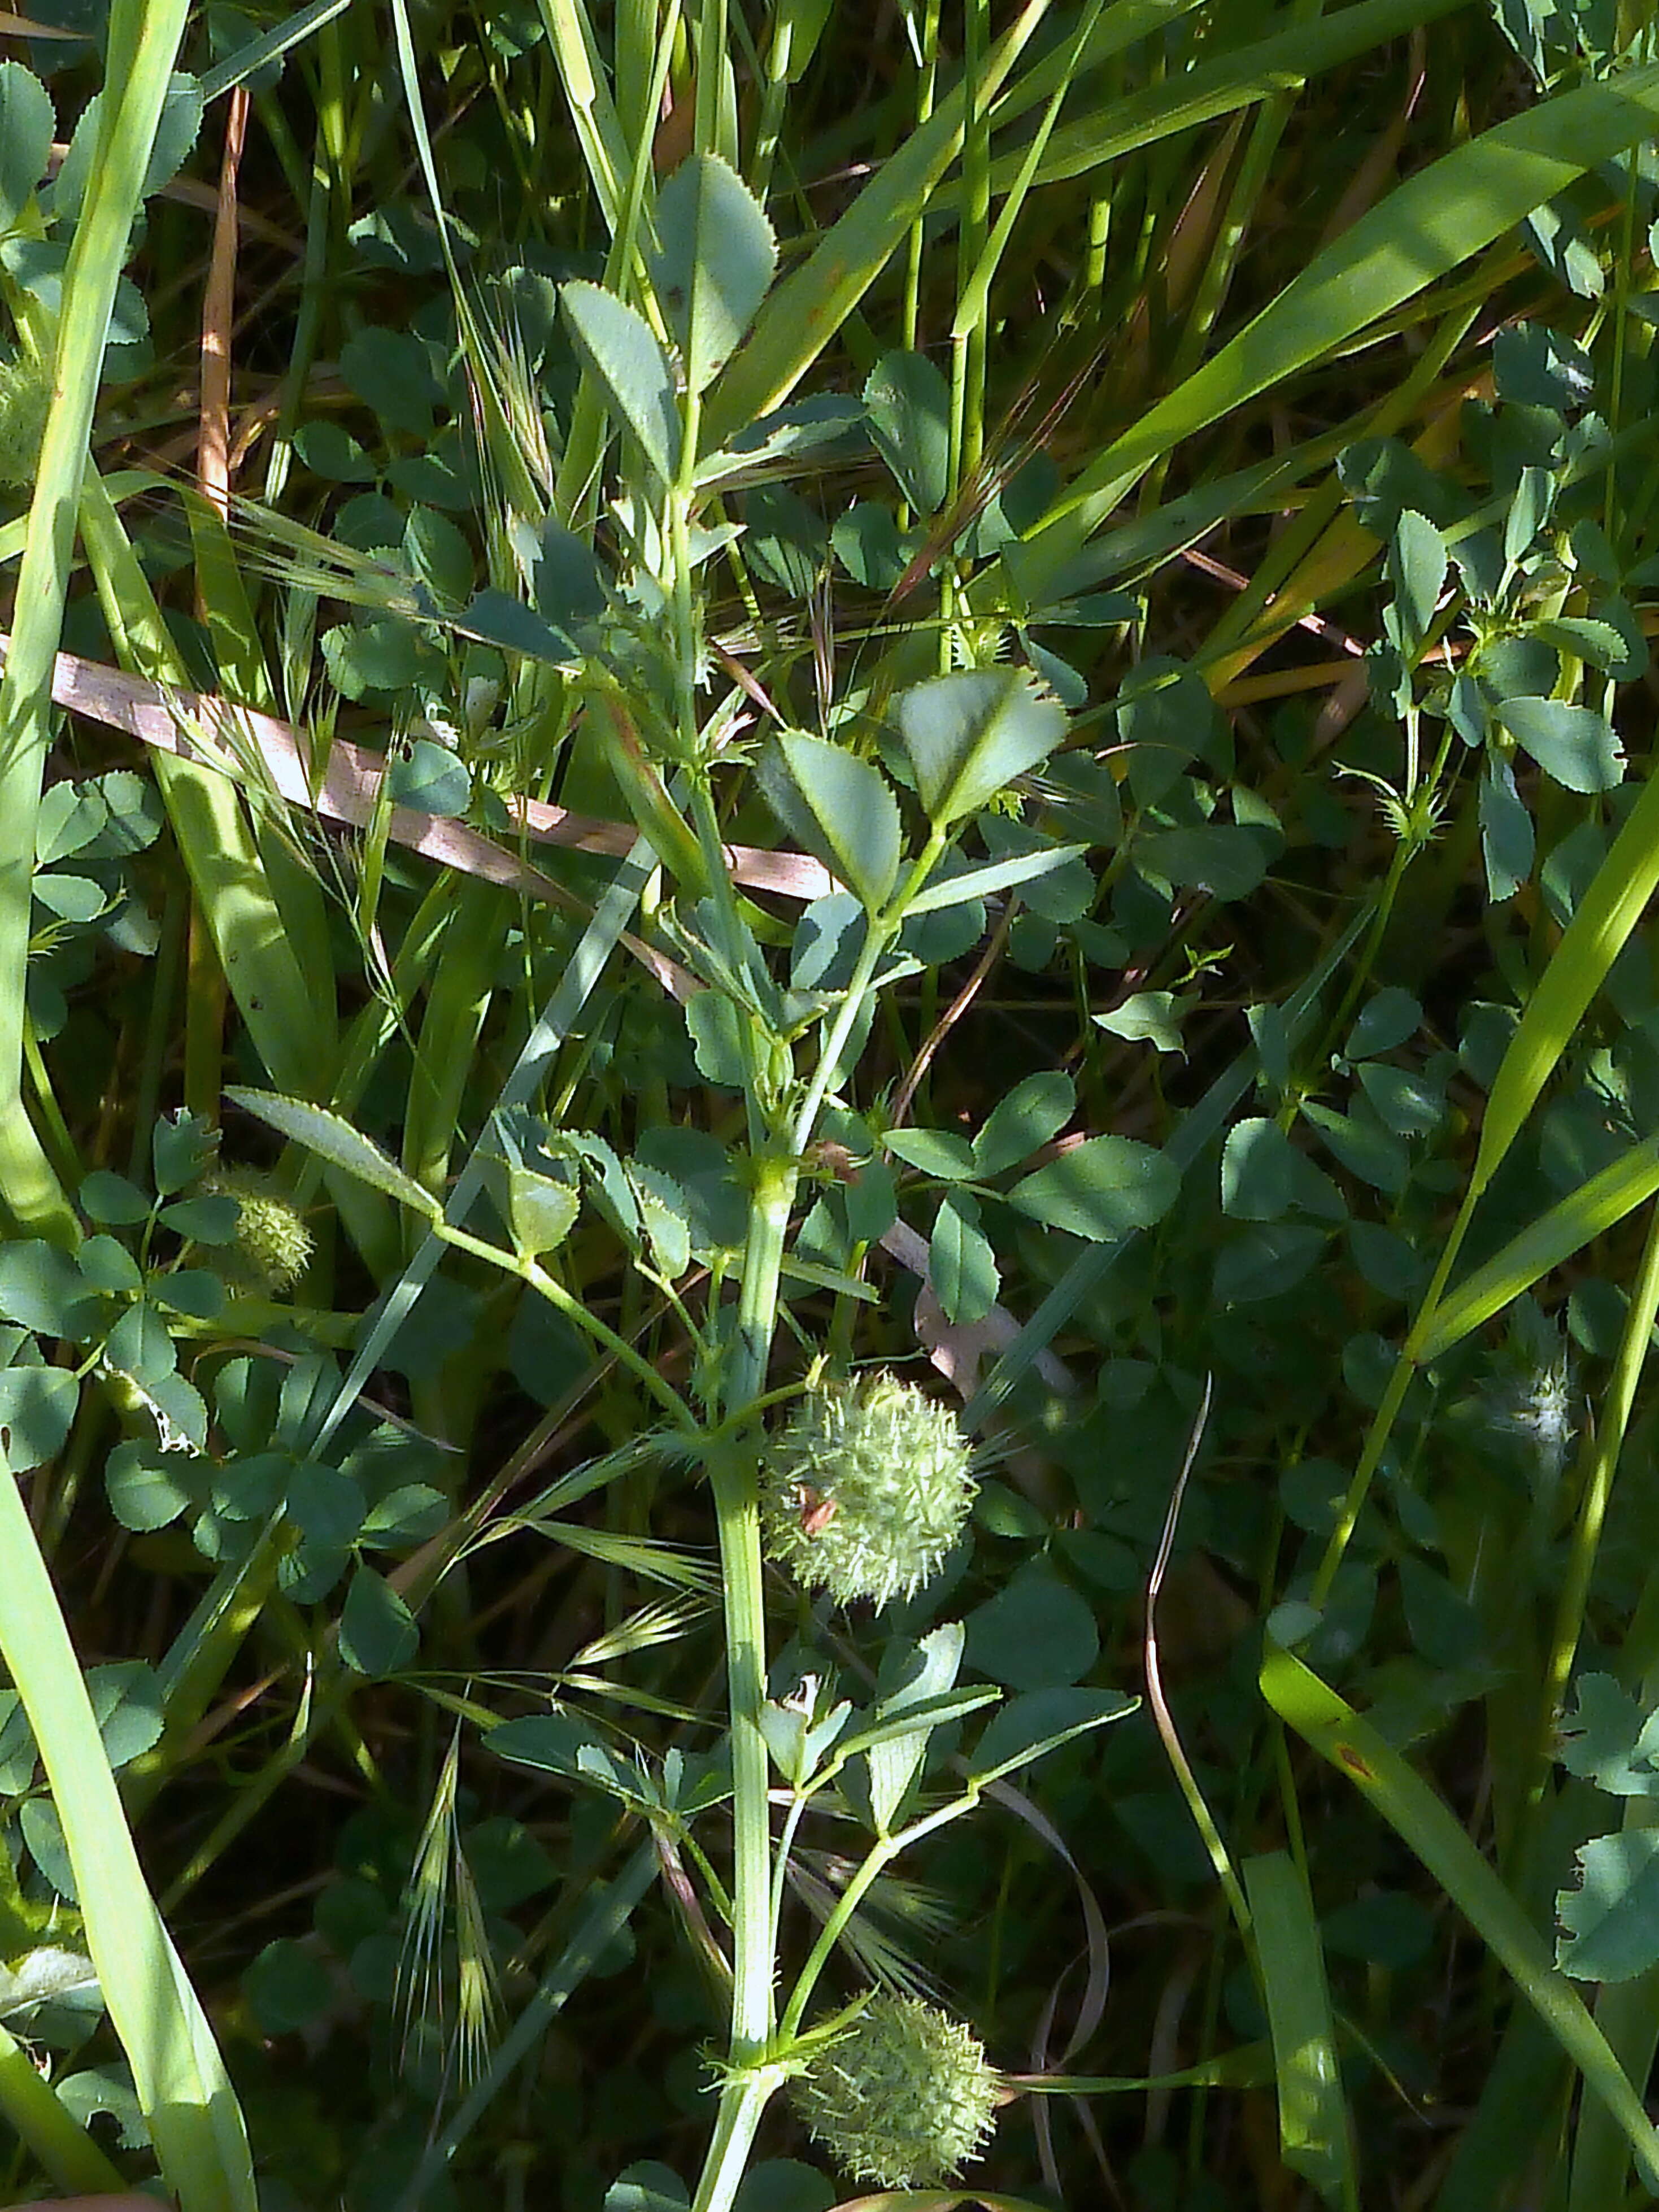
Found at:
(827, 1104)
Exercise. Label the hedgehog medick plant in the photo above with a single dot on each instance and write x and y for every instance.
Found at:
(862, 1486)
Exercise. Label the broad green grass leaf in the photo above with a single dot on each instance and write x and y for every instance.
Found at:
(907, 403)
(183, 2090)
(1035, 1110)
(1426, 227)
(1585, 1214)
(1602, 923)
(333, 1138)
(146, 42)
(1428, 1828)
(1262, 71)
(258, 54)
(1575, 745)
(1101, 1188)
(49, 2131)
(841, 808)
(27, 123)
(264, 909)
(719, 256)
(968, 736)
(1313, 2119)
(621, 353)
(1611, 1921)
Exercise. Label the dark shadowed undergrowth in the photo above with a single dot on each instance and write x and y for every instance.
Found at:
(827, 1095)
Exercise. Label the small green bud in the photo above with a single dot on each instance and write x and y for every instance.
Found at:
(904, 2099)
(866, 1490)
(25, 395)
(273, 1245)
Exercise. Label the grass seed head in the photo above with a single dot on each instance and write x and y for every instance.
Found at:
(904, 2099)
(866, 1490)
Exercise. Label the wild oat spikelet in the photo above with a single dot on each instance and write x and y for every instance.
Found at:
(904, 2099)
(866, 1490)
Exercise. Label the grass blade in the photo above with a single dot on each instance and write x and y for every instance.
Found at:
(61, 2145)
(1424, 1823)
(126, 133)
(1313, 2117)
(189, 2104)
(1585, 1214)
(1592, 941)
(1426, 227)
(806, 310)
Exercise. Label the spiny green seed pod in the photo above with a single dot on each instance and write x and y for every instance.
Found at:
(904, 2099)
(866, 1490)
(273, 1245)
(24, 392)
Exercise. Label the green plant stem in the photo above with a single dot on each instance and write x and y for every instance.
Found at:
(574, 1311)
(1377, 1437)
(743, 2100)
(751, 2083)
(875, 1864)
(62, 2146)
(880, 932)
(1612, 1426)
(880, 1857)
(736, 1506)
